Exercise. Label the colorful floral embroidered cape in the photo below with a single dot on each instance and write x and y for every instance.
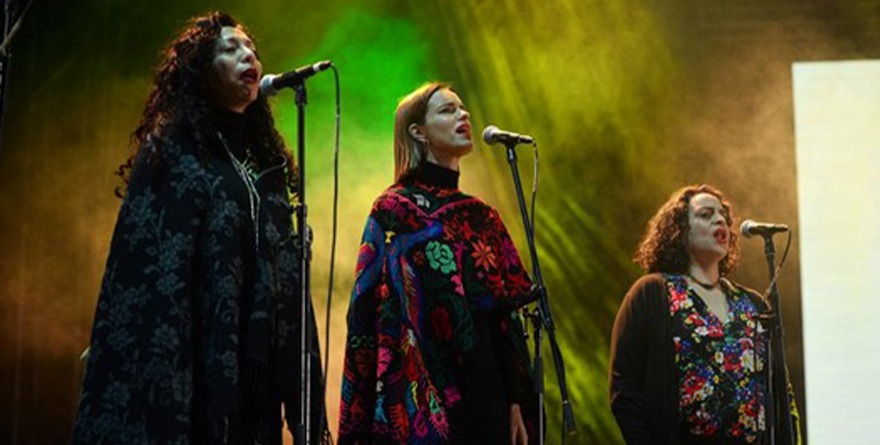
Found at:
(437, 274)
(721, 384)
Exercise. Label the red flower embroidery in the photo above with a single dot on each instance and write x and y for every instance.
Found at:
(731, 363)
(677, 300)
(483, 255)
(714, 330)
(466, 230)
(459, 288)
(519, 284)
(420, 425)
(509, 257)
(419, 258)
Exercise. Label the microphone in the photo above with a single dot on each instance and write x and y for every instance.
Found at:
(272, 84)
(749, 228)
(493, 135)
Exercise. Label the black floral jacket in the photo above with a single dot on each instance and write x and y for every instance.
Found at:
(196, 331)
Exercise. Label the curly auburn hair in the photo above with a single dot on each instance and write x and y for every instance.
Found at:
(664, 245)
(178, 104)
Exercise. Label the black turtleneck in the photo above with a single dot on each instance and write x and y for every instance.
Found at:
(232, 126)
(433, 175)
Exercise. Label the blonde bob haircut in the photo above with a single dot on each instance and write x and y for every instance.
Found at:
(412, 109)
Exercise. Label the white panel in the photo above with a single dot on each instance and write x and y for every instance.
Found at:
(837, 133)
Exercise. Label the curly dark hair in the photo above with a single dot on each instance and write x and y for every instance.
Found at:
(178, 103)
(664, 245)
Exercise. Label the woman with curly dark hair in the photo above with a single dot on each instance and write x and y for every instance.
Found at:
(687, 359)
(435, 352)
(195, 338)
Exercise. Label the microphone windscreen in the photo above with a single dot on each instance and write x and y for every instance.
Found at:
(266, 87)
(489, 134)
(746, 228)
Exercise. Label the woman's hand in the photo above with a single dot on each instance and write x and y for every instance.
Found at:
(518, 434)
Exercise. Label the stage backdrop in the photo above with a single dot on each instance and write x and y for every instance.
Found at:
(628, 100)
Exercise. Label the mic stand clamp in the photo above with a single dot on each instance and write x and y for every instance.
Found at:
(541, 317)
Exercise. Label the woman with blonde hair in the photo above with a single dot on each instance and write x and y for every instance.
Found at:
(435, 351)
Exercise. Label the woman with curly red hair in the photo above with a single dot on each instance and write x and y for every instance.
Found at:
(435, 352)
(687, 355)
(195, 338)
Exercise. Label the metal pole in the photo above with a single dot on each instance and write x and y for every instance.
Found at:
(542, 317)
(303, 431)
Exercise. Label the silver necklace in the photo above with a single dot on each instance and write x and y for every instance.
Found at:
(246, 172)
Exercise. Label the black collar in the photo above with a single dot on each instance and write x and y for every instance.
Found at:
(433, 175)
(232, 126)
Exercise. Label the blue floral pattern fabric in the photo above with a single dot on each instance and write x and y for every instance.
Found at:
(195, 338)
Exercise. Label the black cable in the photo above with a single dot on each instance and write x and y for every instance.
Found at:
(332, 244)
(766, 293)
(535, 177)
(534, 182)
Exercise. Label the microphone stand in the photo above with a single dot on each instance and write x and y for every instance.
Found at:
(302, 431)
(541, 317)
(780, 432)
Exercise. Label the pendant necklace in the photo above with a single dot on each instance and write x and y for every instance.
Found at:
(707, 286)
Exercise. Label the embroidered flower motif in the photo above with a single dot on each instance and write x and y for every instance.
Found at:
(508, 254)
(440, 257)
(519, 284)
(452, 395)
(433, 404)
(164, 337)
(459, 288)
(748, 362)
(116, 394)
(483, 255)
(383, 362)
(429, 258)
(679, 299)
(420, 425)
(714, 331)
(414, 394)
(419, 258)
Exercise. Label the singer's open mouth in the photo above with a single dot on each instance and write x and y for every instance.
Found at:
(249, 75)
(720, 235)
(464, 129)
